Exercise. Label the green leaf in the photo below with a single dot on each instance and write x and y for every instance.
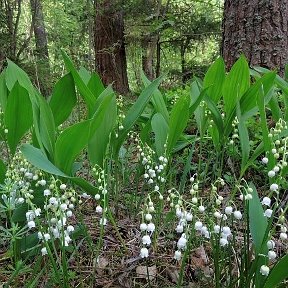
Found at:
(2, 171)
(214, 79)
(157, 99)
(278, 274)
(67, 149)
(135, 112)
(236, 84)
(160, 129)
(63, 99)
(95, 84)
(84, 74)
(258, 222)
(216, 115)
(249, 100)
(13, 74)
(82, 87)
(3, 91)
(178, 121)
(36, 157)
(102, 125)
(18, 117)
(244, 137)
(46, 126)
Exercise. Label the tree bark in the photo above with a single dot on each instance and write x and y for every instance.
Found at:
(110, 55)
(43, 67)
(258, 29)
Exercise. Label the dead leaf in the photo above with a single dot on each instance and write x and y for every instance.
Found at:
(102, 263)
(173, 274)
(141, 272)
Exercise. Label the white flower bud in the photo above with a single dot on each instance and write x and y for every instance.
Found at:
(177, 255)
(144, 253)
(264, 270)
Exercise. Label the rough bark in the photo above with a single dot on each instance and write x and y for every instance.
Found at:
(257, 28)
(43, 68)
(110, 55)
(149, 45)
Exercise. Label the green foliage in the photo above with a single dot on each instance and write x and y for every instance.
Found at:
(18, 115)
(63, 99)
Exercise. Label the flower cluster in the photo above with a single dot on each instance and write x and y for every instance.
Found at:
(147, 227)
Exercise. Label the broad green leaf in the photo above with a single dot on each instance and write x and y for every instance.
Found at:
(84, 74)
(258, 222)
(249, 99)
(178, 121)
(264, 126)
(46, 126)
(18, 116)
(3, 91)
(14, 73)
(236, 84)
(160, 129)
(2, 171)
(69, 144)
(216, 115)
(243, 136)
(214, 79)
(63, 99)
(275, 109)
(102, 125)
(278, 274)
(104, 94)
(135, 111)
(82, 87)
(196, 108)
(95, 84)
(36, 157)
(157, 99)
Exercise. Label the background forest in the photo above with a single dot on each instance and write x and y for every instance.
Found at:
(180, 38)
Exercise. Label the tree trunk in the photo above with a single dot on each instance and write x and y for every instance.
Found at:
(257, 28)
(43, 68)
(110, 55)
(149, 44)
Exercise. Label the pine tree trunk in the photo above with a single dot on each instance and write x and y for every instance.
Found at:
(257, 28)
(110, 55)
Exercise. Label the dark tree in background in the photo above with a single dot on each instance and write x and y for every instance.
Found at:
(257, 28)
(41, 44)
(110, 56)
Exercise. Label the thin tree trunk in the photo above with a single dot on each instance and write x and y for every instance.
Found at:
(110, 54)
(258, 29)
